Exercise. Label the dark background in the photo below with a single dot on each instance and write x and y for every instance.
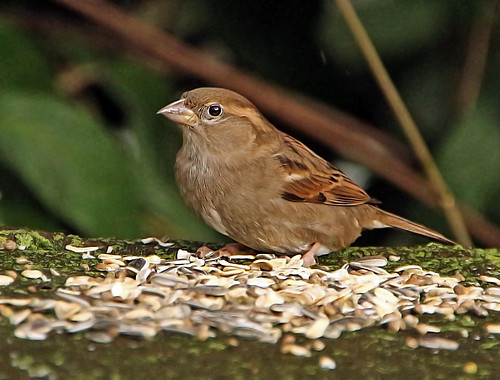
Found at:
(83, 151)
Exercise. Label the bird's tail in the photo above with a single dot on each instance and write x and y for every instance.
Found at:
(386, 219)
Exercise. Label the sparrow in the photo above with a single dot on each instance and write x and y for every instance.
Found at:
(263, 188)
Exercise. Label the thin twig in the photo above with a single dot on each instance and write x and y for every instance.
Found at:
(447, 200)
(476, 57)
(301, 113)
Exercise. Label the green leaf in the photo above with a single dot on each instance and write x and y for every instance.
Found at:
(154, 143)
(70, 163)
(470, 158)
(18, 207)
(396, 28)
(22, 64)
(141, 93)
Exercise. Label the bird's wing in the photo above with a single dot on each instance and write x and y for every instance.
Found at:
(309, 178)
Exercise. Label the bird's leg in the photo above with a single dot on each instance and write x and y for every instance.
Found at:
(235, 249)
(230, 249)
(309, 256)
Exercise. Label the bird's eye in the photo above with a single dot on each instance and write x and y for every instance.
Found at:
(215, 110)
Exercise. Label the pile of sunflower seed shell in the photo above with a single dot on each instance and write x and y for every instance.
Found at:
(264, 297)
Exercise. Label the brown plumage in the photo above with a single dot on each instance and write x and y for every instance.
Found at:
(263, 188)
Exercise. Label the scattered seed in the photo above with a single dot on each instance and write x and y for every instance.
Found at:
(183, 255)
(9, 245)
(490, 279)
(233, 265)
(37, 327)
(493, 291)
(11, 273)
(207, 293)
(326, 362)
(260, 282)
(318, 345)
(99, 337)
(470, 368)
(5, 280)
(65, 310)
(150, 240)
(20, 316)
(296, 350)
(32, 289)
(32, 274)
(109, 256)
(72, 248)
(438, 343)
(317, 328)
(85, 267)
(87, 256)
(22, 260)
(493, 328)
(412, 342)
(15, 301)
(233, 342)
(423, 328)
(370, 261)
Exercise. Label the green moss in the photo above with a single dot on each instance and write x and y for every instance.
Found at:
(27, 239)
(492, 345)
(370, 353)
(446, 260)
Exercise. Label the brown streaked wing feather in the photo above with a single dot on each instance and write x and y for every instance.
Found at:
(314, 180)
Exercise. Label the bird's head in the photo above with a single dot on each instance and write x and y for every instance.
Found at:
(217, 119)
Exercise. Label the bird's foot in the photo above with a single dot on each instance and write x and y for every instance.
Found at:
(310, 256)
(235, 249)
(231, 249)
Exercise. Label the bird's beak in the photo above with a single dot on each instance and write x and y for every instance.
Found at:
(178, 113)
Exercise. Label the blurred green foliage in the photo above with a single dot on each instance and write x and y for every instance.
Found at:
(82, 149)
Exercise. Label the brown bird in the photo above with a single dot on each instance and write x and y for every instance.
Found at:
(263, 188)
